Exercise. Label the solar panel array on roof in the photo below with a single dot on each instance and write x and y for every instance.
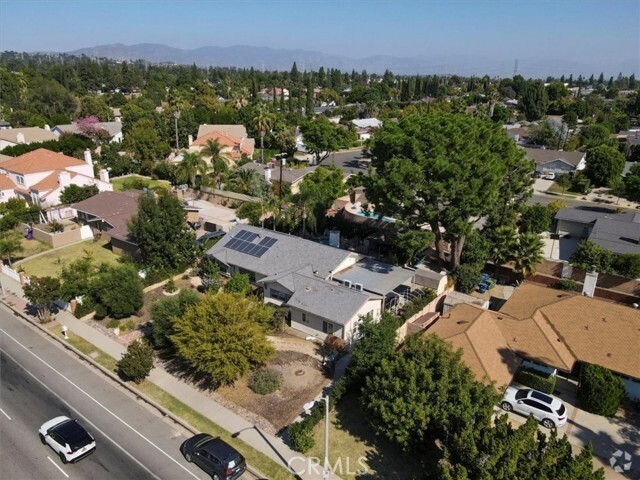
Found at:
(243, 243)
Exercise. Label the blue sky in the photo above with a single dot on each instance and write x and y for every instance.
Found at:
(588, 31)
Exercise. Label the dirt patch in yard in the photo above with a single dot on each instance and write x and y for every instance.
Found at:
(303, 380)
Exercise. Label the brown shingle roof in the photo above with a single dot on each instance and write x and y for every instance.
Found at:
(31, 135)
(116, 208)
(485, 350)
(542, 156)
(40, 160)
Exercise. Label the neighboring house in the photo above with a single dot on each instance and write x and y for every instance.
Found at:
(311, 278)
(554, 328)
(629, 139)
(4, 125)
(108, 214)
(114, 129)
(238, 131)
(518, 133)
(40, 176)
(556, 161)
(366, 127)
(232, 147)
(7, 188)
(267, 93)
(616, 232)
(210, 217)
(18, 136)
(271, 172)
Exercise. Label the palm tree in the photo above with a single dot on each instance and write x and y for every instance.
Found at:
(192, 164)
(218, 162)
(503, 241)
(242, 180)
(529, 253)
(263, 121)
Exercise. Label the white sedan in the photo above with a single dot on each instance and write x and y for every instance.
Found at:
(548, 410)
(67, 438)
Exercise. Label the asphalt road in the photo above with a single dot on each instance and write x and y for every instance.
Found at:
(40, 380)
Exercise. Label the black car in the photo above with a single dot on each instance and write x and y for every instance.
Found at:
(215, 456)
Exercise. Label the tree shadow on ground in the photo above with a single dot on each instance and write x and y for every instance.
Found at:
(385, 460)
(184, 371)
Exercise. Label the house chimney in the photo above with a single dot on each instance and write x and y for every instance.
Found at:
(104, 175)
(87, 157)
(267, 174)
(47, 128)
(590, 281)
(64, 179)
(190, 137)
(20, 137)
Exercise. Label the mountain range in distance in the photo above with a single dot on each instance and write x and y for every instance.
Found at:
(265, 58)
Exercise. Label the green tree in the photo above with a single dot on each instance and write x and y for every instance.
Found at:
(604, 164)
(209, 273)
(535, 219)
(75, 193)
(42, 292)
(594, 136)
(190, 167)
(95, 105)
(76, 278)
(263, 120)
(446, 171)
(144, 143)
(600, 391)
(528, 253)
(503, 244)
(321, 137)
(217, 163)
(10, 245)
(534, 100)
(632, 182)
(164, 312)
(589, 255)
(627, 265)
(238, 283)
(118, 289)
(467, 277)
(161, 231)
(222, 337)
(318, 191)
(375, 340)
(564, 181)
(136, 363)
(423, 392)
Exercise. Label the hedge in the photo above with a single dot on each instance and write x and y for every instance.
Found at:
(600, 391)
(536, 380)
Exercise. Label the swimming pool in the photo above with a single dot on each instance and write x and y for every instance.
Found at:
(363, 213)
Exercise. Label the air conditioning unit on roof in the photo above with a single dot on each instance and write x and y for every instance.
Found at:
(346, 283)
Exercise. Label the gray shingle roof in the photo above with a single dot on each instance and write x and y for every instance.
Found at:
(375, 276)
(289, 175)
(618, 236)
(578, 215)
(325, 299)
(542, 156)
(289, 253)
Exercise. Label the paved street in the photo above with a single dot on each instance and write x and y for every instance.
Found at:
(40, 380)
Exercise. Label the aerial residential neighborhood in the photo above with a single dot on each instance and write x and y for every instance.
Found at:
(398, 248)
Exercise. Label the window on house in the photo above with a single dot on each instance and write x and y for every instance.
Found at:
(20, 179)
(304, 318)
(278, 295)
(327, 327)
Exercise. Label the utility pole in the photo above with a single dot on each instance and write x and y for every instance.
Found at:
(325, 472)
(283, 161)
(176, 115)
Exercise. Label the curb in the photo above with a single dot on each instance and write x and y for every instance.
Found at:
(138, 395)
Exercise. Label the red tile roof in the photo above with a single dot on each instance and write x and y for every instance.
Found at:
(40, 160)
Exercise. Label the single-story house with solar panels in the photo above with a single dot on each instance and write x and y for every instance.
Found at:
(309, 278)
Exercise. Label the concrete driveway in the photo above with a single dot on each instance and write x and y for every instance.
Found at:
(606, 435)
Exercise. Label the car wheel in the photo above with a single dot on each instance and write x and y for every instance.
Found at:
(548, 423)
(506, 406)
(63, 458)
(215, 476)
(188, 457)
(44, 442)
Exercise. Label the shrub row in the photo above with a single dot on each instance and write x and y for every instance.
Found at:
(600, 391)
(536, 380)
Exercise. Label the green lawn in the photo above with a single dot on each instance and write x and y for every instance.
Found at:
(118, 183)
(50, 264)
(352, 443)
(30, 247)
(557, 189)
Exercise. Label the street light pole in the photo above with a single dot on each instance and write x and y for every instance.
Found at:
(325, 473)
(176, 115)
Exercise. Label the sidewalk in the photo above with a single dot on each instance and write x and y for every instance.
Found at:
(267, 444)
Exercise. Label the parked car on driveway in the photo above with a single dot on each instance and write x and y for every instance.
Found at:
(215, 456)
(548, 410)
(550, 176)
(67, 438)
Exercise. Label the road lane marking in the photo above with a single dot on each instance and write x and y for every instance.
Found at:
(57, 466)
(27, 349)
(4, 413)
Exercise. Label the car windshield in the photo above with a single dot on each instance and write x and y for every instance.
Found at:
(541, 396)
(561, 410)
(520, 394)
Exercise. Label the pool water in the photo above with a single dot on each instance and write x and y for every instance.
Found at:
(363, 213)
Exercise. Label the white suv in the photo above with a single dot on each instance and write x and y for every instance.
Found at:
(548, 410)
(68, 439)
